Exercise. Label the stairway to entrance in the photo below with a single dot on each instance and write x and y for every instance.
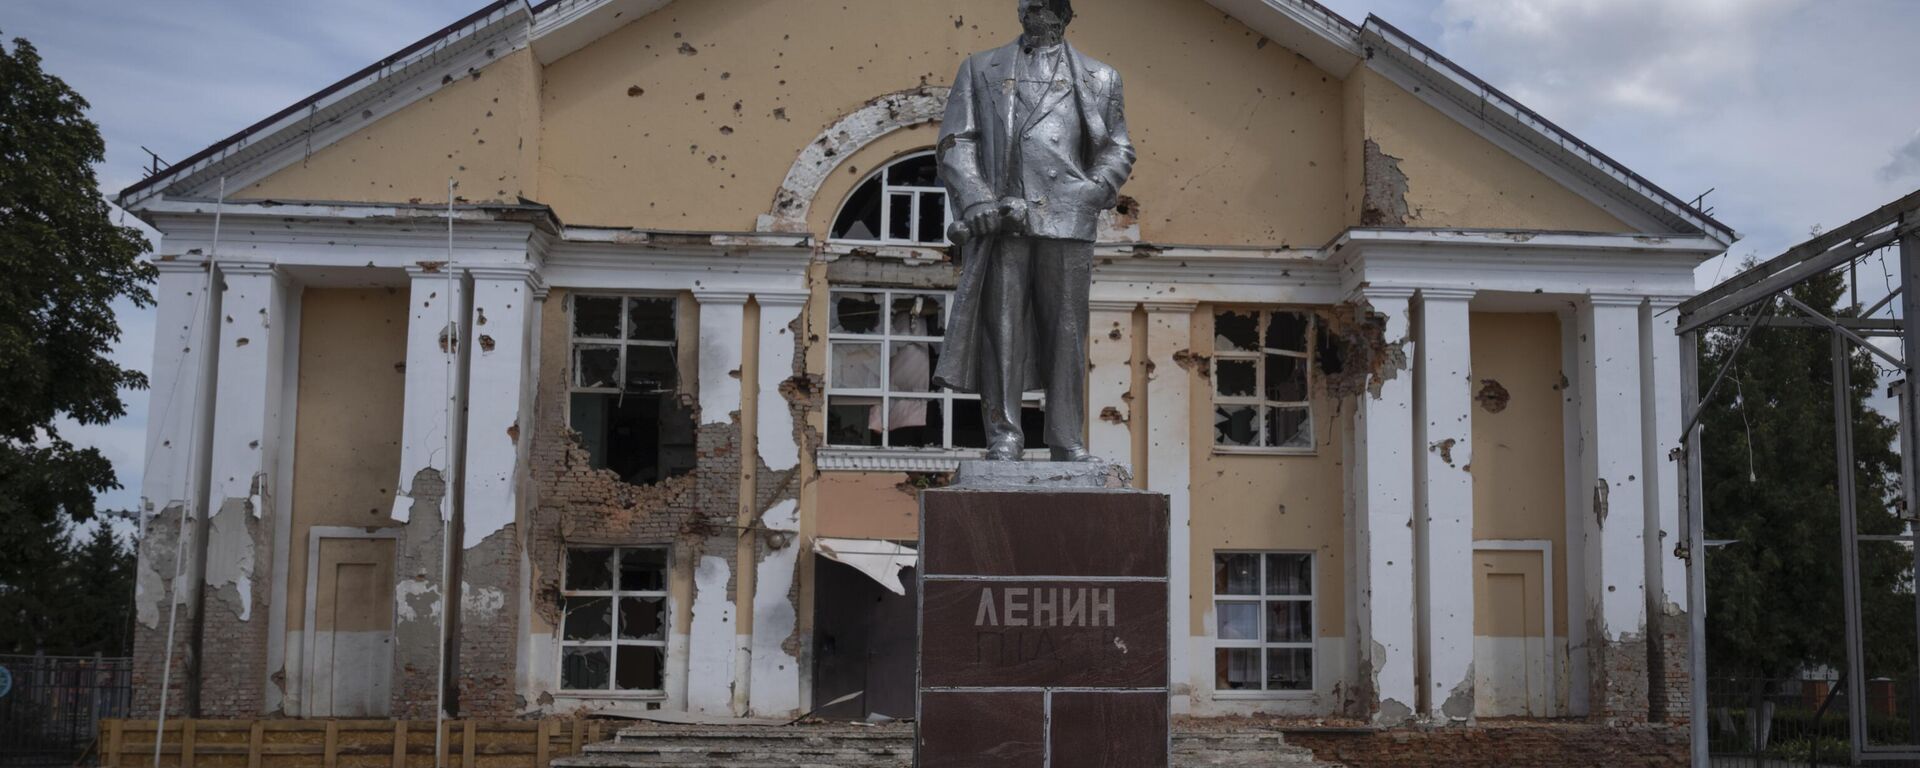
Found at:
(889, 746)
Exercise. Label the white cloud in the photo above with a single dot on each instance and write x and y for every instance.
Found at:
(1905, 162)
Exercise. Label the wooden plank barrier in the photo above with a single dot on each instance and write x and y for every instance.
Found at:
(346, 743)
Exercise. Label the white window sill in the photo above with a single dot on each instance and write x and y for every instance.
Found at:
(1249, 450)
(910, 253)
(611, 695)
(1264, 695)
(902, 459)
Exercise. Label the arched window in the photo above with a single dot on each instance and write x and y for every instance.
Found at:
(903, 203)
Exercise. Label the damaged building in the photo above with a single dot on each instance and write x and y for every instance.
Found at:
(576, 359)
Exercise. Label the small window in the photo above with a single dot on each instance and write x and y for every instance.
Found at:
(613, 628)
(1263, 621)
(903, 203)
(1262, 368)
(625, 389)
(883, 346)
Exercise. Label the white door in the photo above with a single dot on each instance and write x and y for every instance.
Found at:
(1511, 633)
(353, 628)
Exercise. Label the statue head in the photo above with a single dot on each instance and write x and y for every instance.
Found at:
(1045, 20)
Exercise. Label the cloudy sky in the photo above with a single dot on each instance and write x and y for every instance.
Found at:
(1799, 113)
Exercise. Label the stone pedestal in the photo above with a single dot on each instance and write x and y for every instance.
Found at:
(1043, 620)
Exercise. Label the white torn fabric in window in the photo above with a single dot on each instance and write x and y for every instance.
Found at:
(1263, 621)
(880, 560)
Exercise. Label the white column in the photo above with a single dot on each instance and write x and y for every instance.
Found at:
(1383, 511)
(179, 396)
(499, 400)
(1660, 393)
(716, 653)
(1612, 469)
(774, 678)
(1443, 373)
(1110, 381)
(430, 415)
(1169, 470)
(244, 458)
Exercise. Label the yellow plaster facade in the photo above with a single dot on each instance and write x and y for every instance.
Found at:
(1519, 468)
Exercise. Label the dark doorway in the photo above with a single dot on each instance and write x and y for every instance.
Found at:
(864, 641)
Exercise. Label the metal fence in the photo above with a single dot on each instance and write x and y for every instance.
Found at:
(51, 710)
(1760, 723)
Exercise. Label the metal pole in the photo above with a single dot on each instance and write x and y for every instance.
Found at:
(1690, 505)
(1849, 557)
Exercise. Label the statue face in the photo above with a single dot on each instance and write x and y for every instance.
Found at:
(1040, 21)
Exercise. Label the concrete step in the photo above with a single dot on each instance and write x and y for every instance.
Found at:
(888, 746)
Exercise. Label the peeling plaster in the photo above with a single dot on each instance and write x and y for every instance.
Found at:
(482, 602)
(1385, 197)
(230, 555)
(1459, 704)
(157, 566)
(774, 682)
(710, 662)
(414, 598)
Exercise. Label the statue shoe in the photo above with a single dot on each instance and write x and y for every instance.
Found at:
(1075, 453)
(1004, 450)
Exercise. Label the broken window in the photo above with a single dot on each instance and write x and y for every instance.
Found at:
(882, 347)
(1263, 621)
(625, 402)
(613, 630)
(1261, 363)
(902, 203)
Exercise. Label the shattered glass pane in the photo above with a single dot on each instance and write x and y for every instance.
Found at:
(915, 423)
(642, 618)
(850, 421)
(1236, 574)
(1238, 621)
(1286, 378)
(589, 569)
(1235, 425)
(596, 317)
(1289, 669)
(588, 618)
(855, 366)
(1288, 331)
(1236, 669)
(643, 570)
(1289, 427)
(910, 366)
(920, 171)
(859, 218)
(640, 668)
(855, 312)
(652, 369)
(1289, 621)
(650, 319)
(933, 217)
(584, 669)
(919, 314)
(900, 216)
(1236, 331)
(595, 366)
(1234, 378)
(969, 424)
(1289, 573)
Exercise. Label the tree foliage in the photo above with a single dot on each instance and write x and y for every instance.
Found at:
(1774, 599)
(65, 262)
(74, 599)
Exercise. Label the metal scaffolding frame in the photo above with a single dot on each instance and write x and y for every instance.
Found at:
(1745, 301)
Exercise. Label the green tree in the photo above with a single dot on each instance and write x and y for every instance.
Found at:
(1774, 599)
(77, 602)
(65, 262)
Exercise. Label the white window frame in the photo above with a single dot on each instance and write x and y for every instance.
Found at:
(1258, 399)
(575, 341)
(1260, 643)
(918, 194)
(946, 399)
(614, 640)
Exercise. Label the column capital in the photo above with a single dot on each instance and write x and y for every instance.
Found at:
(1112, 305)
(1370, 292)
(777, 298)
(718, 296)
(1665, 301)
(1615, 299)
(258, 268)
(165, 266)
(1448, 294)
(523, 274)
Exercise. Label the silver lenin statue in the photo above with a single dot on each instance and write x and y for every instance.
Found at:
(1033, 147)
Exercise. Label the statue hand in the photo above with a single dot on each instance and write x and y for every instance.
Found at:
(983, 220)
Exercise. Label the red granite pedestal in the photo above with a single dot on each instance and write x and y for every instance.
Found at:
(1043, 628)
